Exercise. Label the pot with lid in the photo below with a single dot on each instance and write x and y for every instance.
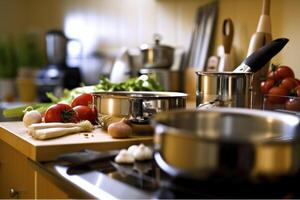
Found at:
(157, 55)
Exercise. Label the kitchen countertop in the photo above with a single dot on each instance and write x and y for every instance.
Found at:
(90, 184)
(14, 134)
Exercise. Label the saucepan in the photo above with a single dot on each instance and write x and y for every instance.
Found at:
(228, 144)
(233, 89)
(157, 55)
(137, 106)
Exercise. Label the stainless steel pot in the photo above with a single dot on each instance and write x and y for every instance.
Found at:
(169, 80)
(228, 144)
(157, 55)
(224, 89)
(233, 89)
(139, 107)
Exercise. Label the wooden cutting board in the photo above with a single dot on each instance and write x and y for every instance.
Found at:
(14, 134)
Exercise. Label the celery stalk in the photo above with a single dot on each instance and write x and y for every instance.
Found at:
(18, 111)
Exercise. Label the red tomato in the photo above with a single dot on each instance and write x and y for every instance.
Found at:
(266, 85)
(276, 95)
(273, 75)
(84, 99)
(288, 83)
(60, 113)
(284, 72)
(85, 113)
(297, 90)
(293, 104)
(298, 81)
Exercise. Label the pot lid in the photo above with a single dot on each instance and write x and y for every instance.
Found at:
(156, 45)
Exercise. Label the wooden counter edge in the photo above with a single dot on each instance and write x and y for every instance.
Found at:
(17, 143)
(48, 153)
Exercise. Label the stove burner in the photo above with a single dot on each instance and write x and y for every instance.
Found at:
(147, 177)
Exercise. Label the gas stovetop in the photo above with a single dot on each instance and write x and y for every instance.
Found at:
(144, 180)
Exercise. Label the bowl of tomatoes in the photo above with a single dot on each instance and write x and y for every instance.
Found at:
(281, 89)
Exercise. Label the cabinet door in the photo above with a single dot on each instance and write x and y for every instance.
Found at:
(16, 175)
(47, 190)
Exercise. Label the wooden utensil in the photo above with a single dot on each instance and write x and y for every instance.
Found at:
(260, 38)
(226, 62)
(263, 31)
(227, 35)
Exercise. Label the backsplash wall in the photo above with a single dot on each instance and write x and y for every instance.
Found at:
(110, 24)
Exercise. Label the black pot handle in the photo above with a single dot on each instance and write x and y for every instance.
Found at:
(262, 56)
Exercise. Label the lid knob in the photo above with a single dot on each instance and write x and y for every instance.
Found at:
(157, 37)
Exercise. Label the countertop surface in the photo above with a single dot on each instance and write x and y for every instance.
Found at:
(91, 184)
(14, 134)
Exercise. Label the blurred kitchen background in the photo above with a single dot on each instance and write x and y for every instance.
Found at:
(97, 33)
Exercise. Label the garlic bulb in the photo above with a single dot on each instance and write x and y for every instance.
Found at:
(142, 153)
(132, 148)
(124, 157)
(32, 117)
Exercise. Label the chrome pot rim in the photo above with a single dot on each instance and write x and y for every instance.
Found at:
(160, 124)
(223, 73)
(140, 94)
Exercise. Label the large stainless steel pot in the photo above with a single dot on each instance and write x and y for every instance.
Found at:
(233, 89)
(157, 55)
(228, 144)
(225, 89)
(139, 107)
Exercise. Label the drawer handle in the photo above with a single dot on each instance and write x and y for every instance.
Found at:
(13, 193)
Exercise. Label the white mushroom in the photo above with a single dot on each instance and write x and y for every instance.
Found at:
(124, 157)
(142, 153)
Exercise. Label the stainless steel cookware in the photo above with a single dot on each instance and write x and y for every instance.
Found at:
(233, 89)
(170, 80)
(228, 144)
(157, 55)
(225, 89)
(139, 107)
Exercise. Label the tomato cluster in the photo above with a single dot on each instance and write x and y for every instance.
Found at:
(282, 88)
(80, 109)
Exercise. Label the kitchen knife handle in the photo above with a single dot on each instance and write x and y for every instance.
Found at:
(263, 55)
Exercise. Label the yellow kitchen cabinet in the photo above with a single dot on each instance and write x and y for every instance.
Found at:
(16, 176)
(45, 189)
(18, 179)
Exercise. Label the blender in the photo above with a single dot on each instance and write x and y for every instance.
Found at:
(57, 74)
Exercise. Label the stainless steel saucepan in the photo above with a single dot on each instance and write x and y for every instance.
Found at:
(157, 55)
(139, 107)
(233, 89)
(224, 89)
(228, 144)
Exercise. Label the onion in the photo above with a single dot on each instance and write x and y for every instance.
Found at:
(120, 129)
